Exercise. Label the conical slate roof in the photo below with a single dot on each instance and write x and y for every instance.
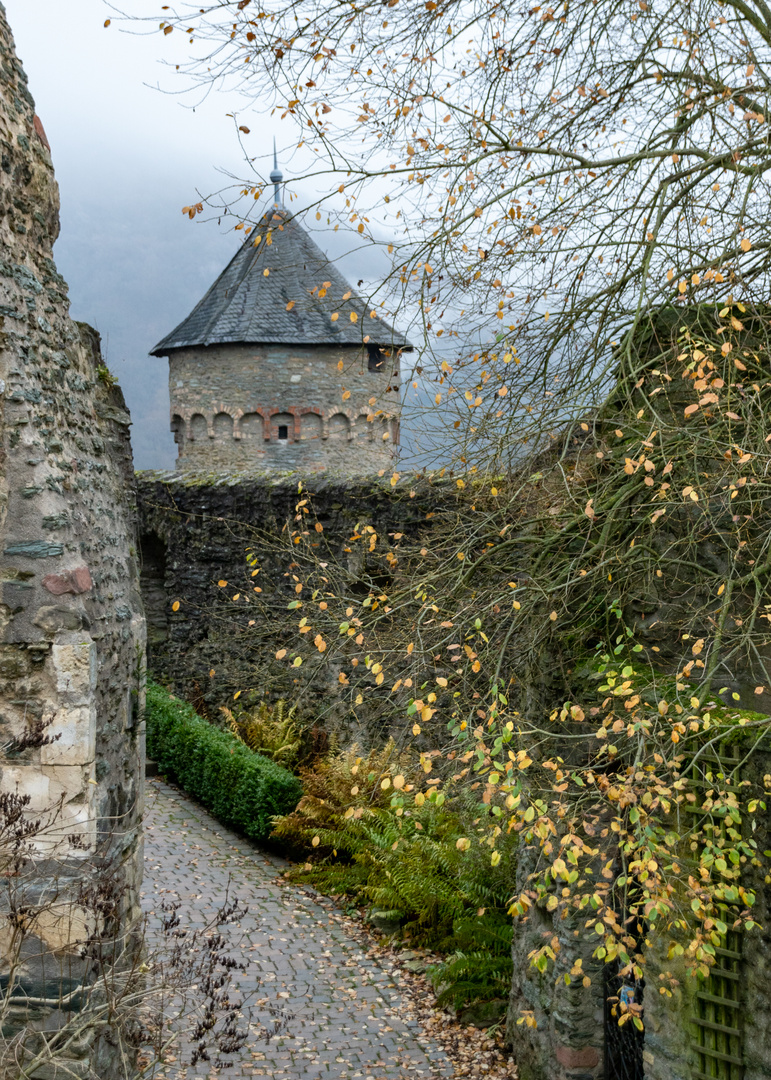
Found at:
(248, 302)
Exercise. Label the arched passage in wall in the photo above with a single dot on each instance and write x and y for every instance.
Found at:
(152, 581)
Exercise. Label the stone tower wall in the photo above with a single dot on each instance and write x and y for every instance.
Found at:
(229, 402)
(71, 624)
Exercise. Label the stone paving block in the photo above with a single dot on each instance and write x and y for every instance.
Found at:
(343, 1026)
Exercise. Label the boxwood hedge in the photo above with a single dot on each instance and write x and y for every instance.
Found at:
(241, 788)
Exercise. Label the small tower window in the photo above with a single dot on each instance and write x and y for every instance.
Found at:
(375, 358)
(283, 431)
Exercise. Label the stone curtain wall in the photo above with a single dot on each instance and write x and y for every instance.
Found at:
(71, 649)
(229, 401)
(195, 532)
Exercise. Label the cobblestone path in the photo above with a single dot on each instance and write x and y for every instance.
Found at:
(343, 1023)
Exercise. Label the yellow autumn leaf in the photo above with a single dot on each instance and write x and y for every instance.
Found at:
(316, 841)
(745, 244)
(290, 305)
(175, 606)
(334, 316)
(354, 317)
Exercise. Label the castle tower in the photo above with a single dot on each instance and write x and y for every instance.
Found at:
(282, 366)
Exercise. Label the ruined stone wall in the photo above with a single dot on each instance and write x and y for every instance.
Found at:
(281, 407)
(71, 628)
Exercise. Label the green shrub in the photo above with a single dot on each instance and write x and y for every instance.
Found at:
(242, 789)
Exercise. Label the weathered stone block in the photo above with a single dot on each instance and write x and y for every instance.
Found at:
(74, 729)
(75, 667)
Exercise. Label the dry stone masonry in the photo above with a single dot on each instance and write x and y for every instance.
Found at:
(71, 628)
(281, 366)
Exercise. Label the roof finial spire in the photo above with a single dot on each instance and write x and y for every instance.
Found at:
(276, 178)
